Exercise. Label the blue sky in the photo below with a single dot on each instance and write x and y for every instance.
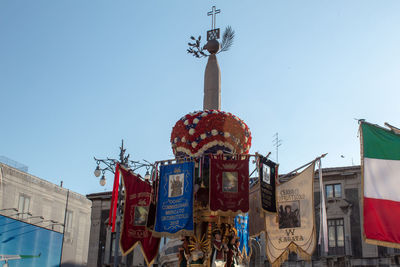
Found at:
(78, 76)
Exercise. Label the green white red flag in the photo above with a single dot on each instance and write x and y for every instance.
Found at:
(380, 155)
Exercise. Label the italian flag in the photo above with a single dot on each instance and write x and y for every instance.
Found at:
(380, 155)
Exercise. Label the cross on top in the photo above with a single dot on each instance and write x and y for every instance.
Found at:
(213, 13)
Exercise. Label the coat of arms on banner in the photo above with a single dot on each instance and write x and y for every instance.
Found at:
(229, 190)
(174, 214)
(138, 194)
(292, 229)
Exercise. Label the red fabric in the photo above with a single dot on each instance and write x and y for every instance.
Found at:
(227, 195)
(381, 219)
(138, 195)
(114, 199)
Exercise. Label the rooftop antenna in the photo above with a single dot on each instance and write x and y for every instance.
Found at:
(277, 143)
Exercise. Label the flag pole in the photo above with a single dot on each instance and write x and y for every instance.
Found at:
(299, 168)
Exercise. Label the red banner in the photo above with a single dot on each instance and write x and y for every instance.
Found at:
(114, 199)
(137, 201)
(229, 185)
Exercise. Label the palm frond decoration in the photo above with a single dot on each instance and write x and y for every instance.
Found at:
(227, 39)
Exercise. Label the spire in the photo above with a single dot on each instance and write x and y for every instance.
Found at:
(212, 76)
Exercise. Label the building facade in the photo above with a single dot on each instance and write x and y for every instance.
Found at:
(35, 201)
(102, 240)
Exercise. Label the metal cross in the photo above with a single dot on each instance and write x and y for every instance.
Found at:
(213, 13)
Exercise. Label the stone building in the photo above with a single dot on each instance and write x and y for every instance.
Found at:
(101, 244)
(33, 200)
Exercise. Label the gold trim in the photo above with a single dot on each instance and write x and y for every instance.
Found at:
(382, 243)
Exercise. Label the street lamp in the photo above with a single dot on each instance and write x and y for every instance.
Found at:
(109, 164)
(103, 180)
(97, 171)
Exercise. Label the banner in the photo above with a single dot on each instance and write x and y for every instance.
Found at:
(380, 155)
(114, 200)
(268, 171)
(242, 227)
(174, 215)
(292, 229)
(256, 213)
(229, 185)
(138, 195)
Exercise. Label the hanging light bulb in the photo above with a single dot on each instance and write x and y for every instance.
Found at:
(147, 175)
(97, 171)
(103, 180)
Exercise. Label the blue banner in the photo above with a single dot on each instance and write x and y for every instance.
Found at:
(175, 199)
(242, 227)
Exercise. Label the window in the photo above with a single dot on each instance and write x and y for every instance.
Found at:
(68, 221)
(23, 206)
(336, 237)
(333, 190)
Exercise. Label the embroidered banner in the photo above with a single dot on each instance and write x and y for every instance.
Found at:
(229, 186)
(242, 227)
(174, 215)
(138, 195)
(292, 229)
(256, 213)
(268, 171)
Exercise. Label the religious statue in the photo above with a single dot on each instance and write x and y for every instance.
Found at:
(198, 251)
(176, 187)
(219, 249)
(184, 252)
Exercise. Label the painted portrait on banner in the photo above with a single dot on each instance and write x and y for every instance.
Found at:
(230, 182)
(140, 218)
(266, 174)
(289, 215)
(176, 184)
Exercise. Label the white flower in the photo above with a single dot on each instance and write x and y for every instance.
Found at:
(194, 144)
(243, 126)
(186, 122)
(203, 136)
(214, 132)
(195, 121)
(245, 139)
(183, 139)
(204, 114)
(226, 134)
(176, 140)
(191, 131)
(215, 111)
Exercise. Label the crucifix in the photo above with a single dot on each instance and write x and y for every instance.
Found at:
(213, 13)
(213, 33)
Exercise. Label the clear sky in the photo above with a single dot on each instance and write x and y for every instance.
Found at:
(77, 76)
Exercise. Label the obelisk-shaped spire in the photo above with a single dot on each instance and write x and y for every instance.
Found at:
(212, 76)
